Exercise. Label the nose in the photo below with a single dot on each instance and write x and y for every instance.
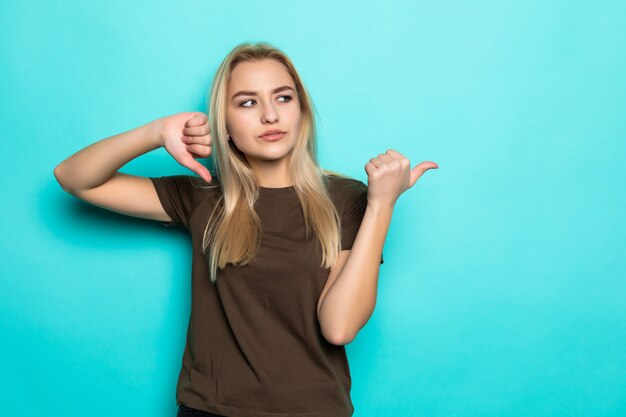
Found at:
(269, 115)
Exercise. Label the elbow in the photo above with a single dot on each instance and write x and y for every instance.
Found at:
(59, 177)
(340, 340)
(336, 332)
(57, 174)
(336, 337)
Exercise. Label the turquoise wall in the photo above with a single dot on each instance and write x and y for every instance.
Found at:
(503, 290)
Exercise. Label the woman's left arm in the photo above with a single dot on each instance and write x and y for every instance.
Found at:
(350, 301)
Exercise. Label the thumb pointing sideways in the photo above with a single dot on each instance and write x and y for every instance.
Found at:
(419, 169)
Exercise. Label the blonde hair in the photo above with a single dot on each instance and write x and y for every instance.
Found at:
(232, 233)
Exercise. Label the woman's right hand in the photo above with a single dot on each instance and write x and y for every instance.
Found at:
(186, 136)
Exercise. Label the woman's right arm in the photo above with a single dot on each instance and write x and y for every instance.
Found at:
(91, 174)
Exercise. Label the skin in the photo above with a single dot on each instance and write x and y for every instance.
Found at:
(249, 116)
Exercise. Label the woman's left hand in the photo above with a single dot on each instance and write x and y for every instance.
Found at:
(390, 174)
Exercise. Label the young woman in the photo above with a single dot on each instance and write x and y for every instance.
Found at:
(286, 254)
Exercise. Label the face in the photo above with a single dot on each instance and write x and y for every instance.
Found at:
(262, 96)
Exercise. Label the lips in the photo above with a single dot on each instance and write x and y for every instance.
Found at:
(271, 132)
(272, 137)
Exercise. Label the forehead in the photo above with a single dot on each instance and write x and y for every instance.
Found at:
(267, 73)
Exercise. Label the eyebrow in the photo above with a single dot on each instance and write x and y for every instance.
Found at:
(253, 93)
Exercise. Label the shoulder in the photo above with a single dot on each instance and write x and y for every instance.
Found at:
(344, 185)
(189, 181)
(187, 187)
(345, 190)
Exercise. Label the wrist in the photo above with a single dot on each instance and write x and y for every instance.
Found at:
(154, 133)
(381, 207)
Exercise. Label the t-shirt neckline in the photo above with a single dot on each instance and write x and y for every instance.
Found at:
(279, 190)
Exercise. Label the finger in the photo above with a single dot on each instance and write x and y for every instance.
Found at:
(394, 153)
(370, 168)
(404, 161)
(203, 172)
(202, 150)
(386, 158)
(200, 140)
(376, 162)
(198, 168)
(197, 119)
(201, 130)
(419, 169)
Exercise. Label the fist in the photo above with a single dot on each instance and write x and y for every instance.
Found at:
(187, 136)
(389, 174)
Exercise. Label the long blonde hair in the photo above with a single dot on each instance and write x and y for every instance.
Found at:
(233, 230)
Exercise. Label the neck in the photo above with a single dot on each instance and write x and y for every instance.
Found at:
(271, 174)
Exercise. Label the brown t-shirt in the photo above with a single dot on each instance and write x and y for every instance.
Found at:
(254, 345)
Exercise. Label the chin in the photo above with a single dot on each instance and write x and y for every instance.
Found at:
(274, 157)
(271, 156)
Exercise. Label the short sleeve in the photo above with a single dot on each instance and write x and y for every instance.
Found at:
(352, 215)
(176, 195)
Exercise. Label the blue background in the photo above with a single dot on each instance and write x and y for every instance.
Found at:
(503, 289)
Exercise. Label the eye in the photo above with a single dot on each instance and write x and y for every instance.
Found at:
(244, 102)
